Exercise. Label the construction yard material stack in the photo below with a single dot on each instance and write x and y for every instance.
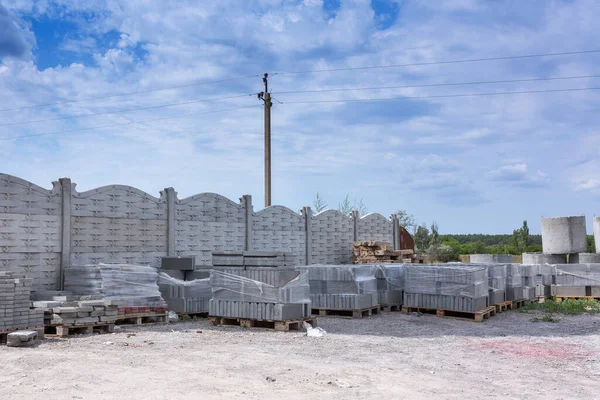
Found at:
(457, 287)
(15, 303)
(133, 287)
(514, 282)
(576, 280)
(249, 259)
(372, 252)
(260, 293)
(390, 283)
(185, 296)
(342, 287)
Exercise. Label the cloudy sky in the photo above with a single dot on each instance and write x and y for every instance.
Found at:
(471, 163)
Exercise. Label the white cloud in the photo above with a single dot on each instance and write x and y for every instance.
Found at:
(590, 184)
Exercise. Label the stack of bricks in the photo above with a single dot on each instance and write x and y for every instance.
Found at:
(76, 312)
(15, 311)
(371, 252)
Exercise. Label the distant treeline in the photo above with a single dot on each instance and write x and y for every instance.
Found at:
(489, 240)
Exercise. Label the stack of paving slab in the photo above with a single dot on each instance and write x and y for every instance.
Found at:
(66, 309)
(342, 287)
(260, 293)
(127, 285)
(576, 280)
(390, 283)
(185, 296)
(249, 259)
(456, 287)
(15, 303)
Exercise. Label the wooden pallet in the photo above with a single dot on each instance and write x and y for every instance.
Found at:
(541, 299)
(280, 326)
(504, 306)
(519, 303)
(4, 333)
(202, 314)
(345, 312)
(143, 319)
(390, 307)
(559, 299)
(478, 316)
(68, 330)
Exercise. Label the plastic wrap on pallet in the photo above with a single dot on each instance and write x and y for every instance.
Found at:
(456, 280)
(577, 275)
(341, 279)
(393, 274)
(135, 285)
(197, 288)
(226, 286)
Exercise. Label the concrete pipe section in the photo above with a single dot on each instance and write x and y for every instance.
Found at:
(589, 258)
(542, 258)
(564, 235)
(491, 258)
(597, 233)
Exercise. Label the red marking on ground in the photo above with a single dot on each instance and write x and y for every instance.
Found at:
(549, 350)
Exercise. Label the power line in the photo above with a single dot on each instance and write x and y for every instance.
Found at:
(440, 62)
(438, 84)
(124, 124)
(440, 96)
(128, 110)
(128, 94)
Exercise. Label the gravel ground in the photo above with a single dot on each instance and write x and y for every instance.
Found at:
(390, 355)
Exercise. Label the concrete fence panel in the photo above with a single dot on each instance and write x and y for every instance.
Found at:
(208, 222)
(30, 230)
(332, 238)
(375, 226)
(277, 228)
(117, 224)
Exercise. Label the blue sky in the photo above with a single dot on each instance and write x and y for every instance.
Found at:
(473, 164)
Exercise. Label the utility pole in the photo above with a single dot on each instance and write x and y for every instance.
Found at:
(266, 98)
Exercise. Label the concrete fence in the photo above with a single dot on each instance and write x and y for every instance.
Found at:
(42, 231)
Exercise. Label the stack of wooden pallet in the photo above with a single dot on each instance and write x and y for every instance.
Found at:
(372, 252)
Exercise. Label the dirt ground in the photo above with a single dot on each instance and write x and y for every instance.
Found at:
(388, 356)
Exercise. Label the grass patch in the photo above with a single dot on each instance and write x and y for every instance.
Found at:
(566, 307)
(545, 318)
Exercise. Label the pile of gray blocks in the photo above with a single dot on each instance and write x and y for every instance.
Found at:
(260, 293)
(253, 259)
(15, 303)
(70, 310)
(185, 296)
(390, 283)
(491, 258)
(132, 285)
(448, 287)
(342, 287)
(576, 280)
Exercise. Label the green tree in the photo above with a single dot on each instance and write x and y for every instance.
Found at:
(345, 207)
(441, 253)
(524, 235)
(591, 245)
(319, 203)
(434, 239)
(421, 238)
(406, 220)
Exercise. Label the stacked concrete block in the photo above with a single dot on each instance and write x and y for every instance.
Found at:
(564, 235)
(457, 287)
(15, 304)
(588, 258)
(390, 283)
(76, 310)
(497, 283)
(251, 259)
(543, 258)
(185, 296)
(350, 287)
(576, 280)
(260, 293)
(514, 282)
(491, 258)
(131, 285)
